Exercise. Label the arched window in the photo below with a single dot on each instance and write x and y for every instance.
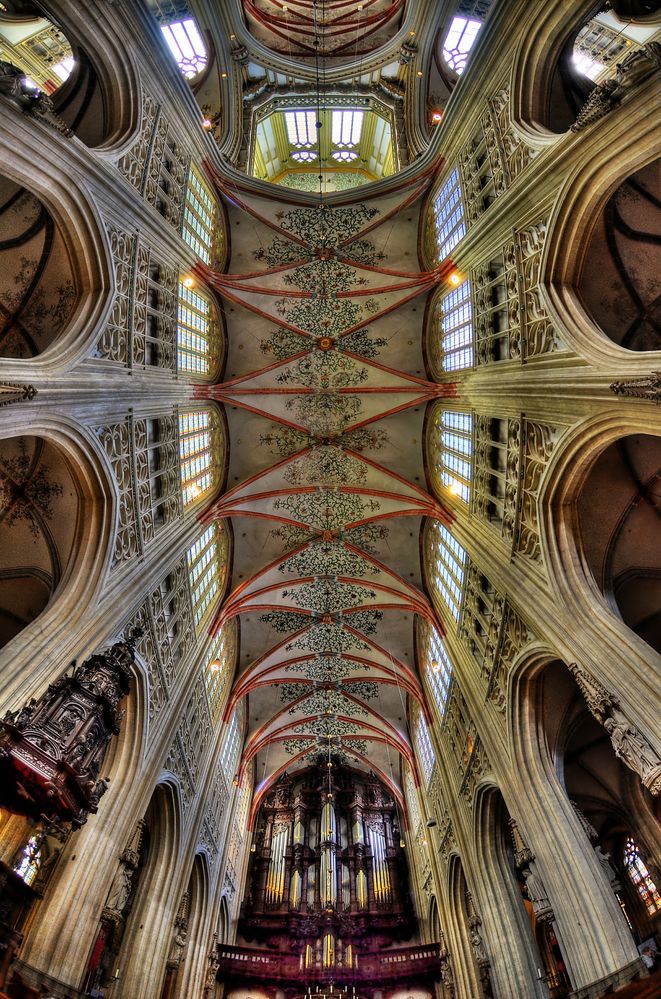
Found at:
(30, 860)
(451, 449)
(449, 220)
(207, 561)
(426, 755)
(185, 43)
(219, 667)
(438, 669)
(641, 878)
(199, 226)
(459, 41)
(455, 328)
(197, 331)
(446, 566)
(200, 449)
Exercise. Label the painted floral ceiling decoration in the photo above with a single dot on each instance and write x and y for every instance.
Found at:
(325, 393)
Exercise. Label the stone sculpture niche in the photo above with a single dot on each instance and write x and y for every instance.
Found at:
(52, 749)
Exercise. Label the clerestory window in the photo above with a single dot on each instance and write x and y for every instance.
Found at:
(426, 755)
(447, 564)
(439, 669)
(199, 216)
(346, 127)
(206, 570)
(195, 333)
(301, 130)
(197, 429)
(459, 41)
(449, 217)
(452, 441)
(456, 328)
(185, 43)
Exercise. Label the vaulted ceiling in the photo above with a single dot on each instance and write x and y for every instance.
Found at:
(325, 393)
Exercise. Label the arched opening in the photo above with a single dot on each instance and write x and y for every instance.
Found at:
(39, 288)
(189, 948)
(589, 57)
(520, 917)
(611, 804)
(573, 774)
(42, 517)
(618, 280)
(60, 70)
(619, 508)
(142, 966)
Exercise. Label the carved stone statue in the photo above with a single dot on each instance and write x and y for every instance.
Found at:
(536, 892)
(120, 890)
(608, 869)
(634, 750)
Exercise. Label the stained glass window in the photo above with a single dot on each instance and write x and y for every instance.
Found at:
(206, 563)
(456, 328)
(196, 454)
(459, 41)
(446, 567)
(426, 754)
(199, 216)
(30, 860)
(194, 331)
(185, 43)
(641, 878)
(453, 432)
(439, 669)
(449, 216)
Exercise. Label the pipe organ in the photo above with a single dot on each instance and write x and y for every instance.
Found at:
(328, 877)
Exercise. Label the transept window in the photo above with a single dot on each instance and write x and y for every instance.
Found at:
(446, 567)
(206, 564)
(424, 746)
(641, 878)
(199, 214)
(439, 669)
(194, 331)
(449, 216)
(456, 328)
(459, 41)
(198, 430)
(451, 440)
(185, 43)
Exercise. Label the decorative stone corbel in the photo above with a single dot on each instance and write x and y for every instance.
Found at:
(629, 745)
(648, 387)
(474, 925)
(637, 67)
(524, 859)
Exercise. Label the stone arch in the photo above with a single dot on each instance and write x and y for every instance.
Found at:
(56, 281)
(141, 964)
(578, 566)
(194, 960)
(604, 213)
(434, 920)
(506, 915)
(225, 934)
(566, 861)
(56, 524)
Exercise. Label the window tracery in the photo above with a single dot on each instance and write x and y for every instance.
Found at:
(445, 562)
(426, 755)
(219, 668)
(438, 669)
(450, 445)
(448, 215)
(199, 225)
(229, 755)
(455, 329)
(459, 40)
(207, 562)
(197, 332)
(185, 43)
(201, 451)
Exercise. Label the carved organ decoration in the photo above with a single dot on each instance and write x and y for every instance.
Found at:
(51, 750)
(328, 871)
